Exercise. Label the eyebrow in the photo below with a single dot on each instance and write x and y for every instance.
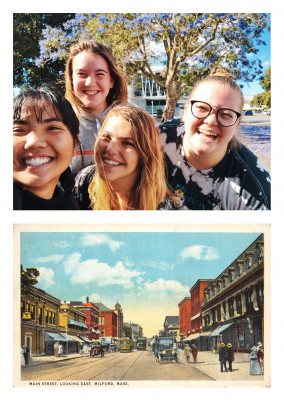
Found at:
(120, 138)
(45, 121)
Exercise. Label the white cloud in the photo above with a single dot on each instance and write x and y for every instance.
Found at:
(100, 239)
(199, 252)
(62, 244)
(54, 258)
(161, 265)
(99, 272)
(163, 286)
(45, 278)
(94, 297)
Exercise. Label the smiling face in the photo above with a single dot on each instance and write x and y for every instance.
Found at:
(119, 157)
(42, 150)
(91, 80)
(206, 141)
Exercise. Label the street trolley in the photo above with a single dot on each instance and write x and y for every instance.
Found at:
(141, 343)
(126, 345)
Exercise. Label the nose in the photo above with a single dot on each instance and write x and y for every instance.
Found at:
(89, 81)
(112, 147)
(212, 118)
(35, 140)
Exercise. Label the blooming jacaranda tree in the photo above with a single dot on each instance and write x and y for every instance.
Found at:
(187, 45)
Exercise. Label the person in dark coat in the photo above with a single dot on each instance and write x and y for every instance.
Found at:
(194, 352)
(26, 354)
(223, 356)
(230, 356)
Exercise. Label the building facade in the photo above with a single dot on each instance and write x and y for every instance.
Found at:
(185, 317)
(233, 305)
(107, 321)
(39, 316)
(92, 317)
(196, 295)
(171, 326)
(118, 311)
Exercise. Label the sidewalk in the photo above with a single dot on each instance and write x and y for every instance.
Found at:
(208, 363)
(38, 360)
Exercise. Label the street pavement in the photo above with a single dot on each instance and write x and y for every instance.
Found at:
(207, 362)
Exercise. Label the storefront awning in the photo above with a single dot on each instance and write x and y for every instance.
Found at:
(86, 339)
(55, 336)
(67, 337)
(221, 329)
(77, 323)
(77, 339)
(193, 336)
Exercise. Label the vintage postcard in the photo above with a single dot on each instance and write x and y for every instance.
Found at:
(142, 305)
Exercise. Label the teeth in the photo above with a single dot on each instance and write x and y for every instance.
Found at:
(208, 133)
(110, 162)
(37, 161)
(92, 92)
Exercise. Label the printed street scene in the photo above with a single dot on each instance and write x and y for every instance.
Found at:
(117, 308)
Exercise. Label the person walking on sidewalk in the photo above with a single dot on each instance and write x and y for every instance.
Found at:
(254, 363)
(230, 356)
(26, 354)
(223, 356)
(194, 352)
(260, 355)
(187, 352)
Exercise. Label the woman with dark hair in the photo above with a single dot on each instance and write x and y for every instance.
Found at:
(206, 165)
(94, 85)
(129, 170)
(45, 136)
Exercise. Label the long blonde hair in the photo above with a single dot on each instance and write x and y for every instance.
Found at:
(151, 188)
(117, 94)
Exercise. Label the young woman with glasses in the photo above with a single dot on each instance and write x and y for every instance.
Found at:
(206, 165)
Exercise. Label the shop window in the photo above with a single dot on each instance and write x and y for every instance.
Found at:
(239, 304)
(231, 307)
(219, 313)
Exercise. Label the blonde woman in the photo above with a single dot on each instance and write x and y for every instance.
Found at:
(206, 165)
(129, 169)
(94, 85)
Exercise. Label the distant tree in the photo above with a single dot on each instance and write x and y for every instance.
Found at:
(264, 99)
(28, 279)
(258, 100)
(127, 332)
(187, 45)
(27, 33)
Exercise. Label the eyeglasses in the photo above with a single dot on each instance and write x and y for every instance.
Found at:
(225, 116)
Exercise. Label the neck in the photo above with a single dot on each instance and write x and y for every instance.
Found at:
(203, 162)
(43, 193)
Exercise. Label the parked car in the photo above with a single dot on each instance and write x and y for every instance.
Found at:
(266, 112)
(165, 349)
(248, 112)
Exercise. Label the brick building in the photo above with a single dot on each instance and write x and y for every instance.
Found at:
(92, 317)
(196, 295)
(234, 302)
(185, 316)
(107, 321)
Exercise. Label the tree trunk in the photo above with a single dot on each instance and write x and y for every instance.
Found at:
(170, 103)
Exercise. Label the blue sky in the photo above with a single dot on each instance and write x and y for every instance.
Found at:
(264, 55)
(149, 273)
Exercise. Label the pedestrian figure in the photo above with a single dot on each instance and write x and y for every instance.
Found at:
(26, 354)
(102, 350)
(187, 352)
(22, 355)
(223, 356)
(194, 352)
(60, 350)
(260, 355)
(230, 356)
(254, 363)
(56, 349)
